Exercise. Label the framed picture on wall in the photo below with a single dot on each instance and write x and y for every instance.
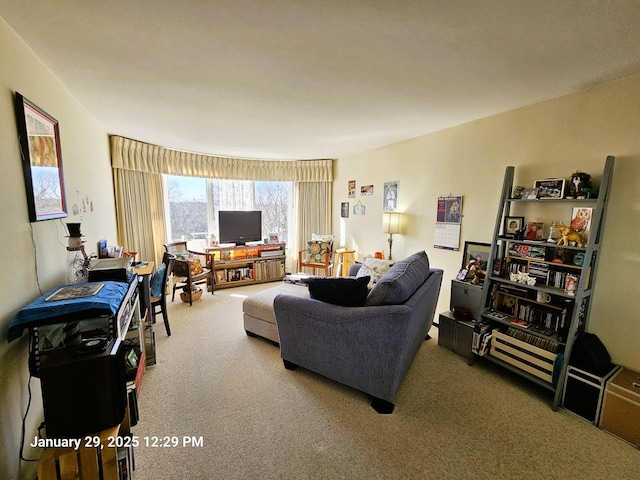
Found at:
(344, 209)
(39, 138)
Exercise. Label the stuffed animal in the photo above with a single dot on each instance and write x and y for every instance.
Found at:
(577, 182)
(475, 272)
(568, 235)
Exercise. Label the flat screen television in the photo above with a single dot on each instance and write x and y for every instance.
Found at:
(239, 227)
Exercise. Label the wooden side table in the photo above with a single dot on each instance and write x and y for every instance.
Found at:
(345, 257)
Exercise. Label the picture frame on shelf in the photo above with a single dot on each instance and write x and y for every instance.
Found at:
(535, 231)
(462, 274)
(581, 221)
(274, 238)
(530, 194)
(39, 138)
(550, 188)
(511, 226)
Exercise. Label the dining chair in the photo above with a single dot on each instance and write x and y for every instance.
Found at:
(158, 285)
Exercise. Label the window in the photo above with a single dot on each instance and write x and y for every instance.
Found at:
(193, 205)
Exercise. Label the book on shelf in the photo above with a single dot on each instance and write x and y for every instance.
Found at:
(520, 323)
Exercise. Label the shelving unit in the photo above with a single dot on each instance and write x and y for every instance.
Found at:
(534, 326)
(244, 265)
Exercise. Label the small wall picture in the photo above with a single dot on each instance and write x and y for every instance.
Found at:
(366, 190)
(344, 209)
(512, 225)
(359, 209)
(390, 197)
(351, 189)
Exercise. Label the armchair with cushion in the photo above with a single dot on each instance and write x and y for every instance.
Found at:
(368, 347)
(187, 276)
(318, 255)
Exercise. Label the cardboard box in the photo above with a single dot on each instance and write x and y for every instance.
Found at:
(621, 406)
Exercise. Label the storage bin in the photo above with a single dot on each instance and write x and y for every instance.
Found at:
(621, 406)
(531, 359)
(584, 391)
(468, 295)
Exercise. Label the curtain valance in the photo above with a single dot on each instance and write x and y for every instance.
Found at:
(130, 154)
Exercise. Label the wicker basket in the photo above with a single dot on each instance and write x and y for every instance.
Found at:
(194, 294)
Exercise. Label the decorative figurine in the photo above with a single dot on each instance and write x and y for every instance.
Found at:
(568, 235)
(577, 182)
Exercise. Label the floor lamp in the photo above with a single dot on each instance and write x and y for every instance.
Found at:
(390, 225)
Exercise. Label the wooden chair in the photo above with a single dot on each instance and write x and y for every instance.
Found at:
(317, 256)
(181, 268)
(160, 301)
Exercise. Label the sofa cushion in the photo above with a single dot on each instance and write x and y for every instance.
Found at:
(398, 284)
(348, 292)
(373, 268)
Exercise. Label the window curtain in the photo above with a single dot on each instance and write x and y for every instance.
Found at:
(313, 212)
(138, 167)
(140, 213)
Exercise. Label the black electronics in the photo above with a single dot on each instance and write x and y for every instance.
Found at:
(239, 227)
(114, 269)
(84, 393)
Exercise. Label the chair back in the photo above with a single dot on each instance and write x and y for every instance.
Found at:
(168, 259)
(179, 246)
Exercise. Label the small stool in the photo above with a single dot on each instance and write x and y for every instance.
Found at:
(345, 258)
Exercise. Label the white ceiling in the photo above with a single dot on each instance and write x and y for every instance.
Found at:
(304, 79)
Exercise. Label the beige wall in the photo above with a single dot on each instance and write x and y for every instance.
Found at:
(549, 139)
(87, 174)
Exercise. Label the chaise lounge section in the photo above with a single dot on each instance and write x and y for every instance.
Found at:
(369, 347)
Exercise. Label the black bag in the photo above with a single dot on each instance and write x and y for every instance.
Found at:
(590, 354)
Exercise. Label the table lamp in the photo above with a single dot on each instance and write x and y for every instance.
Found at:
(390, 225)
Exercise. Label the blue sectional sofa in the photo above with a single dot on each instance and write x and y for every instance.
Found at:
(368, 347)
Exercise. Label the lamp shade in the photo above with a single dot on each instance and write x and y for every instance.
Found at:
(391, 222)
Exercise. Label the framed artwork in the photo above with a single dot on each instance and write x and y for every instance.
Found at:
(530, 194)
(359, 209)
(476, 251)
(39, 139)
(550, 188)
(351, 189)
(344, 209)
(390, 197)
(220, 276)
(581, 221)
(274, 238)
(512, 225)
(366, 190)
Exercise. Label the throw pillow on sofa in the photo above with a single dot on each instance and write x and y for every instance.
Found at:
(347, 292)
(374, 268)
(401, 281)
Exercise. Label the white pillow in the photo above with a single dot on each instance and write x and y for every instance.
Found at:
(374, 268)
(322, 238)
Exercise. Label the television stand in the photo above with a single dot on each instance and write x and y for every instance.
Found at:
(236, 265)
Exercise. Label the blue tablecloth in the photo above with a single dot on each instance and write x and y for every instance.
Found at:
(41, 312)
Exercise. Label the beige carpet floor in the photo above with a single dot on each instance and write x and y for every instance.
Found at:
(259, 421)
